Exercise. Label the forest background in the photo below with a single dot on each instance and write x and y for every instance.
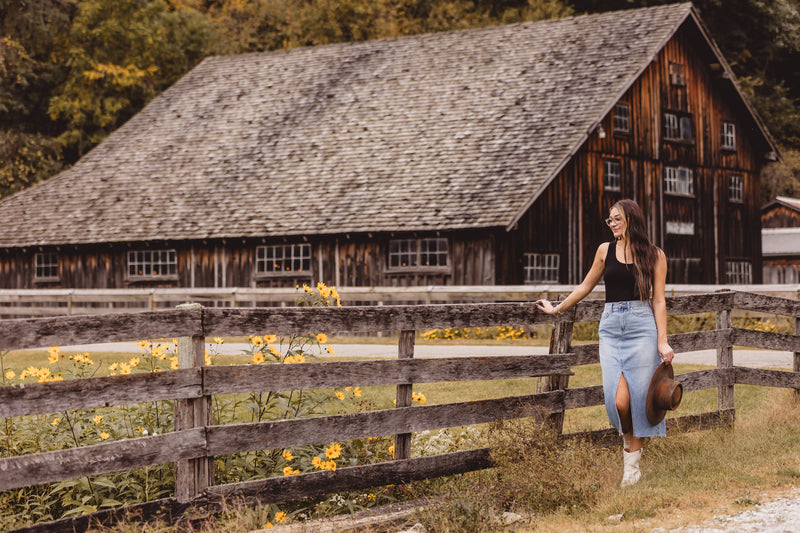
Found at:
(72, 71)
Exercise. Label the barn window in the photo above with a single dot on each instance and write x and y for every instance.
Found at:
(283, 258)
(152, 264)
(622, 118)
(736, 188)
(46, 266)
(739, 272)
(612, 175)
(676, 74)
(728, 136)
(677, 127)
(418, 253)
(541, 268)
(679, 181)
(680, 228)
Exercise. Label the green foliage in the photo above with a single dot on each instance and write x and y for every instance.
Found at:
(494, 333)
(120, 54)
(26, 159)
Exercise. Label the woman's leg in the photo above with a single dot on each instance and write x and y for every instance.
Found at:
(623, 401)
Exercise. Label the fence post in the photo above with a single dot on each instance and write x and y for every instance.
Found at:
(192, 476)
(560, 342)
(405, 350)
(724, 361)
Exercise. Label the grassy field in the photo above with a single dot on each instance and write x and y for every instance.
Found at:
(688, 478)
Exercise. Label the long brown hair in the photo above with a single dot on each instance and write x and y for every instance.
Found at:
(644, 252)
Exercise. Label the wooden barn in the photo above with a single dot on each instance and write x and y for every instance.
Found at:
(780, 240)
(478, 157)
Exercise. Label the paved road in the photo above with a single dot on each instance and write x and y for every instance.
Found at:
(753, 358)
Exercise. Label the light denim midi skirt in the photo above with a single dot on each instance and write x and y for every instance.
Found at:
(629, 347)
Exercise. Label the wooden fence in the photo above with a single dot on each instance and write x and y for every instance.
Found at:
(57, 302)
(196, 441)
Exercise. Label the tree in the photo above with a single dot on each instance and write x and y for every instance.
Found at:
(120, 54)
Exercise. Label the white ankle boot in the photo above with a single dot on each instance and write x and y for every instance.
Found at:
(631, 475)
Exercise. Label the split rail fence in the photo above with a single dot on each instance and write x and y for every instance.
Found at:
(23, 303)
(195, 441)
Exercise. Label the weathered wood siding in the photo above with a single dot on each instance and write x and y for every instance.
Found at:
(723, 229)
(780, 216)
(344, 261)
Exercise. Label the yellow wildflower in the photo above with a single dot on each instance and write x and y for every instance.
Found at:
(335, 295)
(322, 338)
(330, 349)
(340, 395)
(317, 462)
(280, 516)
(10, 374)
(124, 368)
(175, 342)
(299, 358)
(333, 451)
(421, 398)
(104, 435)
(357, 392)
(287, 455)
(289, 359)
(391, 450)
(134, 362)
(268, 525)
(173, 362)
(142, 344)
(288, 471)
(268, 339)
(113, 367)
(370, 496)
(55, 421)
(219, 340)
(52, 358)
(306, 288)
(97, 419)
(257, 358)
(329, 465)
(53, 352)
(257, 341)
(274, 351)
(207, 360)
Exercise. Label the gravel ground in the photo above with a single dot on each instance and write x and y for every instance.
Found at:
(781, 515)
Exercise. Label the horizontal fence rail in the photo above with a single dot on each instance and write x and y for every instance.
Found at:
(57, 302)
(196, 441)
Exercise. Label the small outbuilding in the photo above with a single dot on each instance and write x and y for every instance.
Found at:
(780, 240)
(480, 157)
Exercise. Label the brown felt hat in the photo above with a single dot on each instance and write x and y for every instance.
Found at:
(664, 394)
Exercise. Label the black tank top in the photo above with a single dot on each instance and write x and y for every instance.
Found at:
(618, 277)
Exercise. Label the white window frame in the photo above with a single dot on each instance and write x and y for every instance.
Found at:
(739, 272)
(541, 268)
(679, 181)
(427, 253)
(45, 266)
(152, 264)
(283, 259)
(676, 227)
(736, 188)
(677, 75)
(622, 118)
(678, 127)
(612, 175)
(728, 141)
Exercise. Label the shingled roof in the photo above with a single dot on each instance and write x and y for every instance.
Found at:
(441, 131)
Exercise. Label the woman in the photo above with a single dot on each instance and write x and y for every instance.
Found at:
(633, 327)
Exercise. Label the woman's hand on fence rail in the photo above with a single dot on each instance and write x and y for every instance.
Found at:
(547, 307)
